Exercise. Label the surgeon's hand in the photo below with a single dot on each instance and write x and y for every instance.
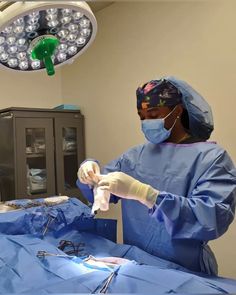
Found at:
(89, 172)
(125, 186)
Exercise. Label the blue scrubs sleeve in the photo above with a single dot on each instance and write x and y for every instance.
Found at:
(85, 190)
(209, 210)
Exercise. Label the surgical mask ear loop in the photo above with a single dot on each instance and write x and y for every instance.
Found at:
(169, 113)
(175, 119)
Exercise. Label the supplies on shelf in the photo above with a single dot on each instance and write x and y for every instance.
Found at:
(69, 139)
(37, 180)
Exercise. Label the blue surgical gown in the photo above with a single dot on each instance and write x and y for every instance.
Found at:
(197, 184)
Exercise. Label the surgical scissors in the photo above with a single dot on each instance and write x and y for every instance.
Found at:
(107, 283)
(50, 219)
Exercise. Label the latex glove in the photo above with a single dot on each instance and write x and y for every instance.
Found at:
(101, 199)
(89, 172)
(127, 187)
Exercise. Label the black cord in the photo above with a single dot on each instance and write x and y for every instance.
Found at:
(71, 248)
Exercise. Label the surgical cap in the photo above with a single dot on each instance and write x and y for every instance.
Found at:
(201, 122)
(170, 91)
(158, 93)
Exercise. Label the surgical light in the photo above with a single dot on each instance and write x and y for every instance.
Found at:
(35, 35)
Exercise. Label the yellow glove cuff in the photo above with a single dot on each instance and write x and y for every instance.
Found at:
(147, 195)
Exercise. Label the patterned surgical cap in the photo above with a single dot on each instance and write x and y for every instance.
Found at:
(157, 93)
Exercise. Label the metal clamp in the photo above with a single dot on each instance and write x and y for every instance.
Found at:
(42, 254)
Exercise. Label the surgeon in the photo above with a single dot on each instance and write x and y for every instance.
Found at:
(178, 190)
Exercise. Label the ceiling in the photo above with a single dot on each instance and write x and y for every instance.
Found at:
(94, 5)
(98, 5)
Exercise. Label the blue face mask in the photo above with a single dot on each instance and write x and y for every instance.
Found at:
(155, 131)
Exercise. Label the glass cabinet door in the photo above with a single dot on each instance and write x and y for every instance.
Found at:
(36, 161)
(35, 157)
(69, 153)
(70, 156)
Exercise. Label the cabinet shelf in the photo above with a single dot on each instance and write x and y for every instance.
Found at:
(69, 153)
(39, 191)
(35, 155)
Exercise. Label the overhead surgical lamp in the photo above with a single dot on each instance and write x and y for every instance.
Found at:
(44, 34)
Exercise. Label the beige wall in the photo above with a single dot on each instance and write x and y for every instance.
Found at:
(193, 40)
(35, 90)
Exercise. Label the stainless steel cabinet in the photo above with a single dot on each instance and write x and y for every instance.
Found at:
(40, 152)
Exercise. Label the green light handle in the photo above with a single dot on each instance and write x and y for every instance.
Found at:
(43, 49)
(49, 65)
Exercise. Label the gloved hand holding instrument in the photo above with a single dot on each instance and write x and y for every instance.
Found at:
(89, 173)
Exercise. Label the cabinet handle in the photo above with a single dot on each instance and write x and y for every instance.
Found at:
(7, 115)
